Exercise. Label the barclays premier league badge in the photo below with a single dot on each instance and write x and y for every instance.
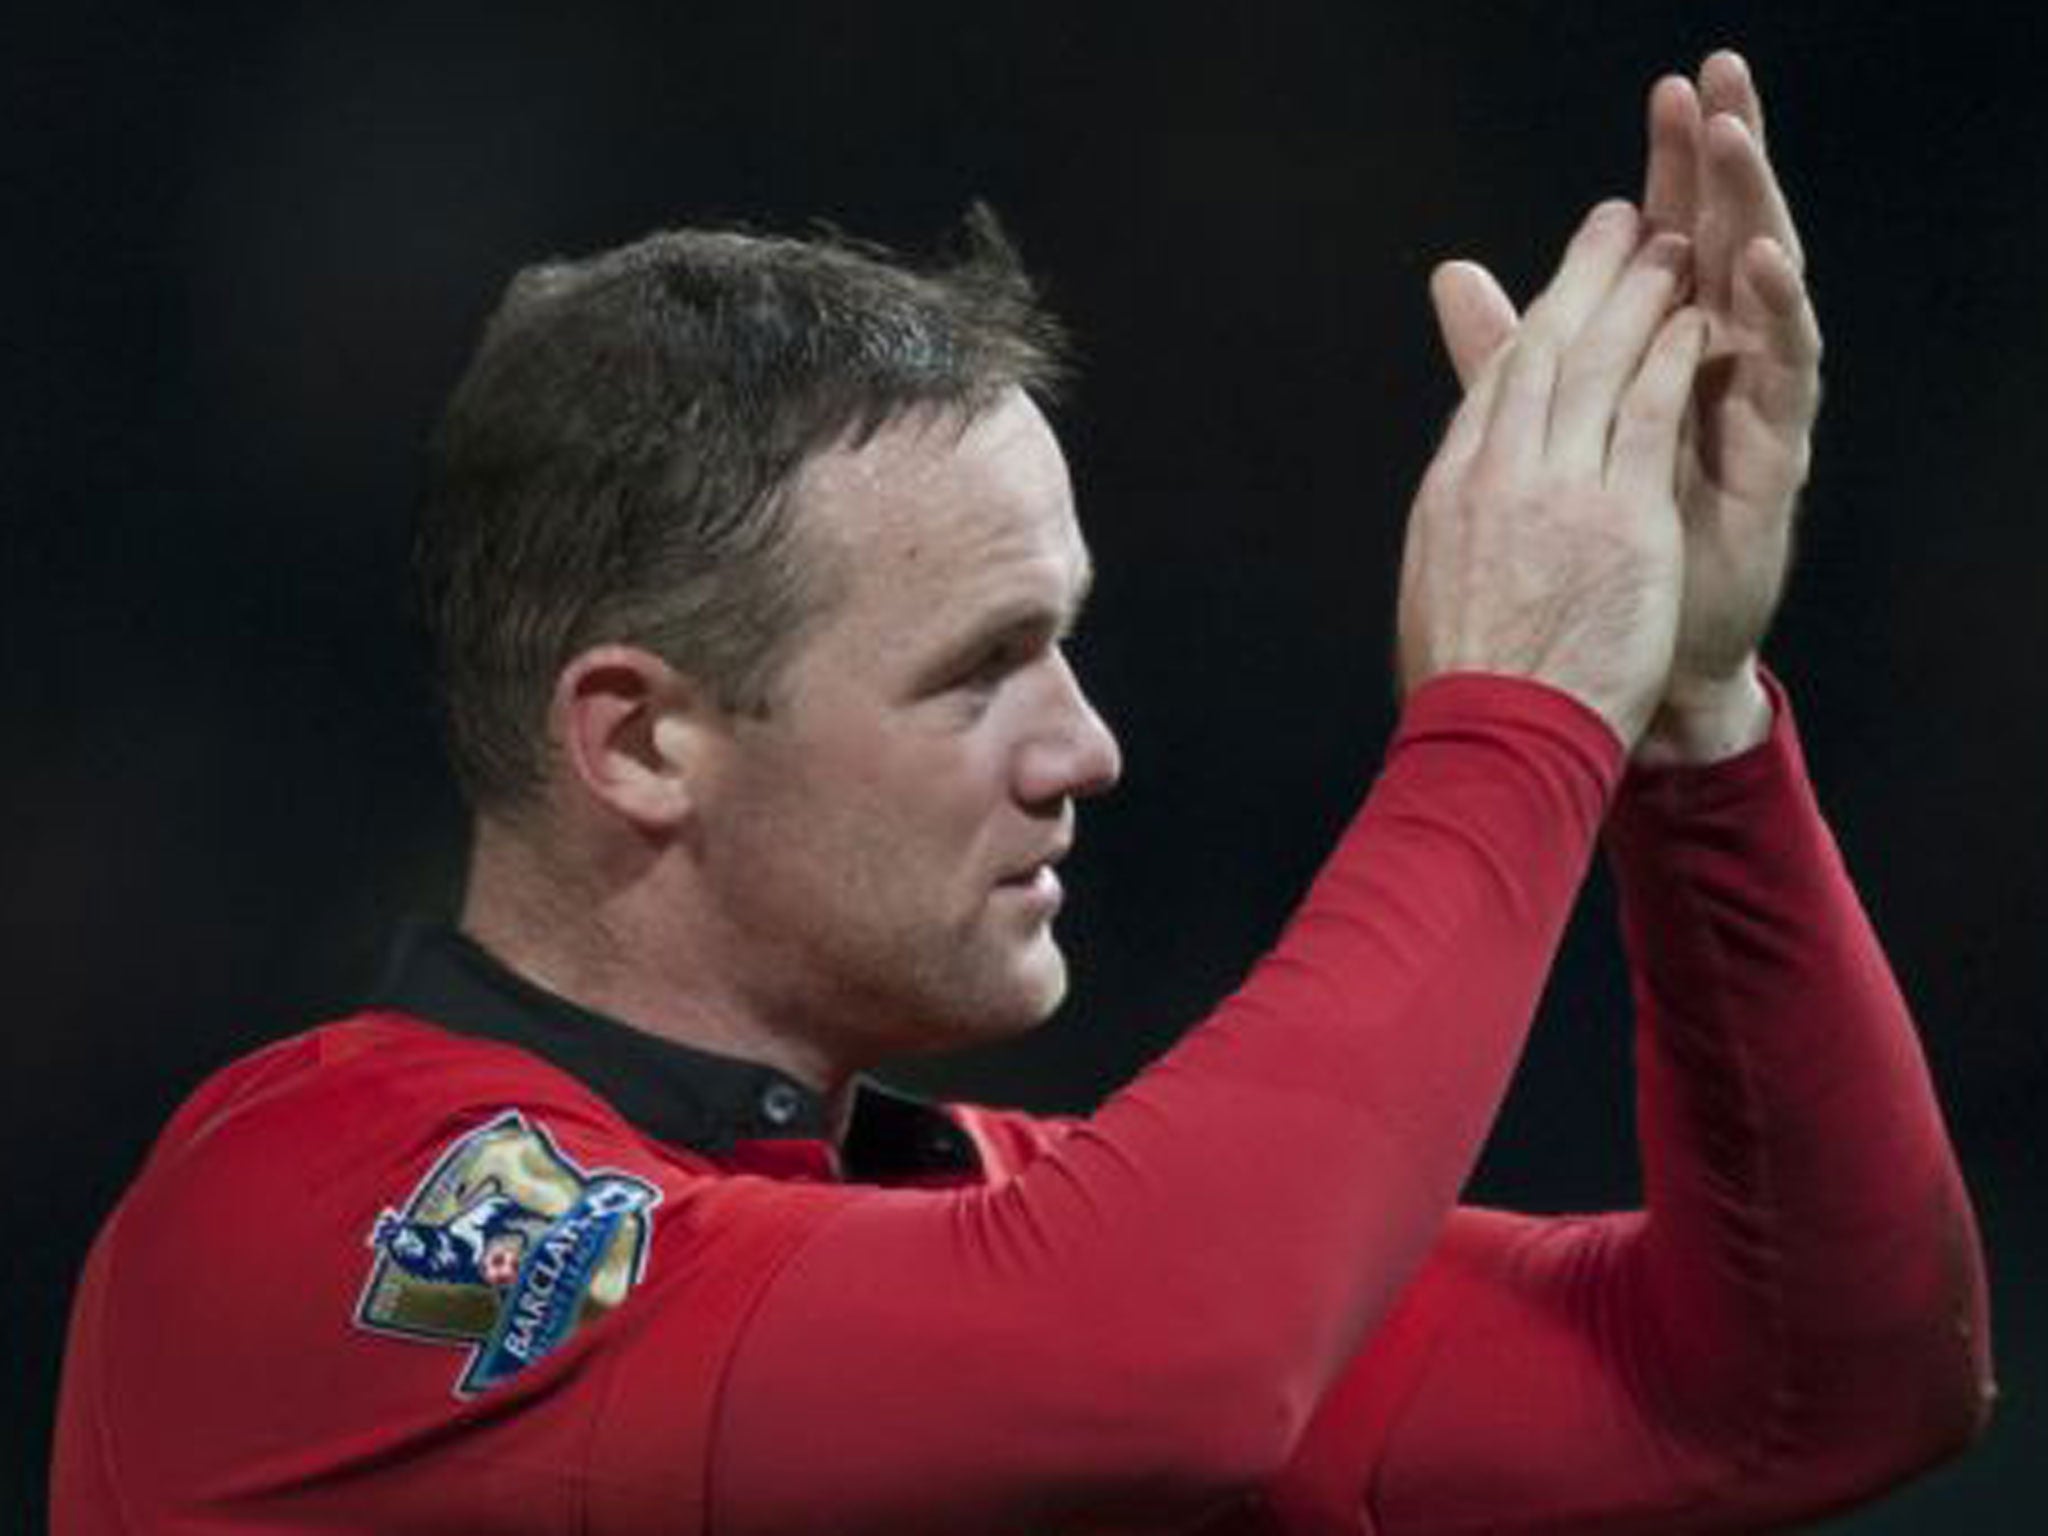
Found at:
(506, 1247)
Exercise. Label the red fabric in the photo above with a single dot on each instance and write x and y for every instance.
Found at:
(1230, 1300)
(217, 1379)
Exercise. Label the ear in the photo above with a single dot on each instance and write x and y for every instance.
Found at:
(627, 725)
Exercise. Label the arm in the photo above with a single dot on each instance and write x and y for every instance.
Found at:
(1135, 1328)
(1764, 996)
(1797, 1321)
(1139, 1323)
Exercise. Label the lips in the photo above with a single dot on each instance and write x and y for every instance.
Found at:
(1040, 868)
(1038, 888)
(1037, 882)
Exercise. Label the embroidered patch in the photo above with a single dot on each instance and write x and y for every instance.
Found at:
(506, 1248)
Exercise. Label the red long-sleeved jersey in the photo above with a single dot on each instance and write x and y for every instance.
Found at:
(476, 1260)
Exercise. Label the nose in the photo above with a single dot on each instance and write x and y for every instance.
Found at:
(1074, 754)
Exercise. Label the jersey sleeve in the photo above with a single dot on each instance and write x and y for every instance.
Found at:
(1131, 1332)
(1797, 1318)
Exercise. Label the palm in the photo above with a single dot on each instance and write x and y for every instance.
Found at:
(1739, 474)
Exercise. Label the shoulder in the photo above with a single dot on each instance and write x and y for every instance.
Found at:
(377, 1221)
(376, 1090)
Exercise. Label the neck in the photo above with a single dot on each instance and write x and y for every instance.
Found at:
(614, 937)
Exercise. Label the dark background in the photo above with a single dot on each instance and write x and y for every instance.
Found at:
(246, 248)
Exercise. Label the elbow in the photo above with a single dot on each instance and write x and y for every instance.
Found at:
(1957, 1394)
(1231, 1450)
(1920, 1408)
(1213, 1428)
(1916, 1386)
(1949, 1413)
(1852, 1446)
(1825, 1417)
(1945, 1380)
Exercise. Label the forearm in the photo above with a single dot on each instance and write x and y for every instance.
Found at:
(1152, 1310)
(1798, 1317)
(1810, 1259)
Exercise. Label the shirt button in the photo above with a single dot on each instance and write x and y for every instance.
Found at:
(781, 1103)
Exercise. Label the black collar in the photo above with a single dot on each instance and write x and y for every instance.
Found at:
(676, 1093)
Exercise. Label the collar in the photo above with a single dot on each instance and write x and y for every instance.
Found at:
(675, 1093)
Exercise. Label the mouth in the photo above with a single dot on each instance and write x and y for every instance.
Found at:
(1038, 880)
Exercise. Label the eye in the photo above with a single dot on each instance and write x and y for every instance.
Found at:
(980, 668)
(988, 669)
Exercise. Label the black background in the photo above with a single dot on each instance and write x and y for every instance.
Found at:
(247, 246)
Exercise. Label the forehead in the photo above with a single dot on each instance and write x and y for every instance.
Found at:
(935, 515)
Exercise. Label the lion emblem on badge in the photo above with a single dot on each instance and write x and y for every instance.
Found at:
(506, 1248)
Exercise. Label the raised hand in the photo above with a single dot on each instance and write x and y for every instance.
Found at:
(1545, 539)
(1750, 443)
(1748, 439)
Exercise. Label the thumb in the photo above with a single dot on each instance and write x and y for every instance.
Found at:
(1473, 315)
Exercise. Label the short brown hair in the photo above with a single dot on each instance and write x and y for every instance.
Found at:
(613, 465)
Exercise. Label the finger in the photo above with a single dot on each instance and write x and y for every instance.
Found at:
(1600, 365)
(1642, 457)
(1467, 429)
(1515, 420)
(1780, 306)
(1595, 257)
(1726, 85)
(1671, 180)
(1771, 303)
(1743, 189)
(1473, 315)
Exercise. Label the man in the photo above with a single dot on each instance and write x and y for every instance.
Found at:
(750, 562)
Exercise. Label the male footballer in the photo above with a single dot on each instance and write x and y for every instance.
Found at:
(749, 563)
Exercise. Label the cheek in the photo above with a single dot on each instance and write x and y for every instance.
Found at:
(924, 845)
(902, 820)
(937, 783)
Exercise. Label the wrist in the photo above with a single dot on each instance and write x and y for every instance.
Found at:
(1704, 720)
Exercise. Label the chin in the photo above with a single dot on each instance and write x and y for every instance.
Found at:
(1004, 1005)
(1042, 983)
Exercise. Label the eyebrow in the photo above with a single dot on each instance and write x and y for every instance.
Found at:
(1023, 616)
(1030, 612)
